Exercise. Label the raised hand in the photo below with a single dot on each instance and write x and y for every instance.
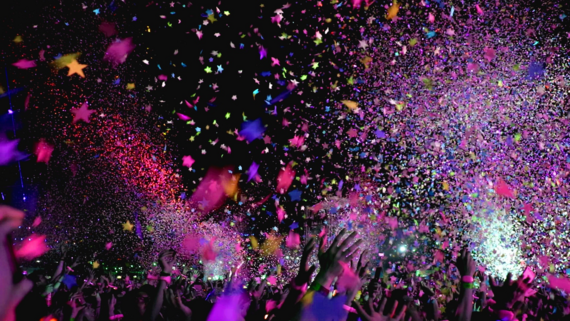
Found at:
(12, 289)
(395, 313)
(338, 251)
(166, 260)
(361, 266)
(174, 299)
(374, 284)
(305, 272)
(75, 304)
(360, 271)
(466, 264)
(509, 292)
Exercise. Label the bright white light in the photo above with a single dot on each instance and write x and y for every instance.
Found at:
(402, 248)
(497, 243)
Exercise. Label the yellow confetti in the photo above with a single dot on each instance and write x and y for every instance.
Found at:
(65, 60)
(128, 226)
(366, 62)
(254, 242)
(96, 264)
(231, 185)
(271, 245)
(350, 104)
(393, 11)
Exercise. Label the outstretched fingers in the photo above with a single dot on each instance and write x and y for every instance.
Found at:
(337, 238)
(347, 241)
(351, 251)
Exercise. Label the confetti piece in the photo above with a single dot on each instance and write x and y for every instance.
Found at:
(76, 68)
(293, 240)
(32, 247)
(350, 104)
(187, 161)
(43, 150)
(285, 179)
(393, 11)
(82, 113)
(118, 51)
(24, 64)
(252, 130)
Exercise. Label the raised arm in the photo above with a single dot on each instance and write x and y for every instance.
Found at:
(466, 267)
(166, 260)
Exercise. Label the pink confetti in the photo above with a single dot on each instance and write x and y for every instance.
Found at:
(277, 19)
(272, 280)
(183, 117)
(43, 150)
(297, 141)
(32, 247)
(293, 240)
(489, 53)
(24, 64)
(473, 67)
(544, 261)
(118, 51)
(210, 193)
(207, 252)
(348, 280)
(191, 244)
(280, 214)
(270, 305)
(285, 179)
(438, 256)
(560, 283)
(503, 189)
(187, 161)
(37, 221)
(479, 10)
(392, 222)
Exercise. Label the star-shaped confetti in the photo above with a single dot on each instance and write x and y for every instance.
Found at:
(75, 68)
(128, 226)
(295, 195)
(82, 113)
(9, 152)
(187, 161)
(252, 130)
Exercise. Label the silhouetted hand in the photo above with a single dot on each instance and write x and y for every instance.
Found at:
(395, 313)
(509, 292)
(338, 251)
(306, 272)
(166, 260)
